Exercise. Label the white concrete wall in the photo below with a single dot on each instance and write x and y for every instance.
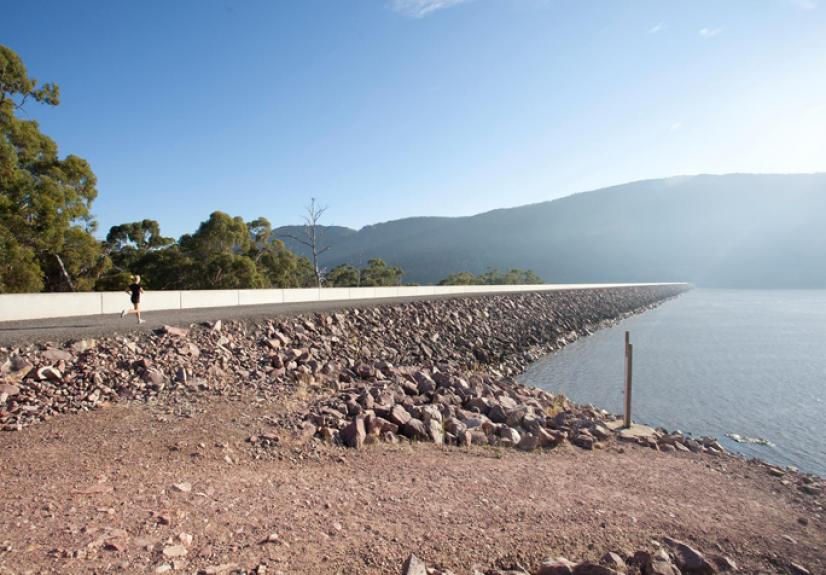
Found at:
(15, 307)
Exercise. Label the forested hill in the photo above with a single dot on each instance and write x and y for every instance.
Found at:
(719, 231)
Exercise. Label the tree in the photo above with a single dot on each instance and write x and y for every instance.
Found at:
(378, 273)
(19, 269)
(45, 202)
(275, 262)
(493, 277)
(130, 247)
(344, 275)
(219, 254)
(312, 237)
(459, 279)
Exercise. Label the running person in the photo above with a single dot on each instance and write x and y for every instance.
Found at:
(135, 290)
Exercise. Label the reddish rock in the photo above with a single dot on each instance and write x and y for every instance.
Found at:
(557, 566)
(588, 568)
(49, 373)
(353, 434)
(415, 429)
(614, 561)
(9, 389)
(414, 566)
(689, 560)
(54, 355)
(399, 415)
(528, 442)
(175, 331)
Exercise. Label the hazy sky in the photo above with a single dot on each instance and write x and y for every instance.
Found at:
(391, 108)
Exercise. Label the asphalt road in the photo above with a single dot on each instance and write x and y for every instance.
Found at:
(59, 330)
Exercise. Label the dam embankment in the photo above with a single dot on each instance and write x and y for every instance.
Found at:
(498, 334)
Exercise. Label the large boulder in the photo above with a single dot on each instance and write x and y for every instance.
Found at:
(435, 432)
(415, 429)
(353, 434)
(689, 560)
(54, 355)
(414, 566)
(399, 415)
(556, 566)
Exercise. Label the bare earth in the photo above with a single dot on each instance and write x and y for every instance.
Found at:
(70, 486)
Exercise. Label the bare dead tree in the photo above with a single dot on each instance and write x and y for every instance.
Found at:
(312, 236)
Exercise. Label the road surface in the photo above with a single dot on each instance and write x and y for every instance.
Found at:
(59, 330)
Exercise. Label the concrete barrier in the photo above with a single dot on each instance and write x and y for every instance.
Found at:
(15, 307)
(42, 305)
(260, 296)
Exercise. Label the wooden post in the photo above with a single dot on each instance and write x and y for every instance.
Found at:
(629, 367)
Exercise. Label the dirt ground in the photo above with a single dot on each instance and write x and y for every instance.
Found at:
(94, 493)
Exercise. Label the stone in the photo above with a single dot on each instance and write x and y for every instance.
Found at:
(173, 551)
(434, 431)
(454, 426)
(9, 389)
(497, 414)
(153, 376)
(221, 569)
(424, 383)
(415, 429)
(689, 560)
(724, 563)
(353, 434)
(556, 566)
(414, 566)
(175, 331)
(399, 415)
(693, 445)
(614, 561)
(798, 569)
(49, 373)
(55, 355)
(184, 487)
(549, 438)
(509, 436)
(83, 345)
(635, 432)
(528, 442)
(588, 568)
(584, 441)
(185, 538)
(658, 564)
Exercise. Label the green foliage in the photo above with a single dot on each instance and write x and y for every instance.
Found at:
(279, 266)
(493, 277)
(19, 269)
(224, 253)
(45, 202)
(344, 275)
(377, 273)
(460, 279)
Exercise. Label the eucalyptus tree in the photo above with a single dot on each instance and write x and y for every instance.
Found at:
(46, 224)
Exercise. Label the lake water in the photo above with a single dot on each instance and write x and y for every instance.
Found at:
(713, 362)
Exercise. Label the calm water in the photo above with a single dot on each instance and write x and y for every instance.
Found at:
(713, 362)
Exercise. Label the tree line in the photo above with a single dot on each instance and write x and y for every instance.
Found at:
(47, 240)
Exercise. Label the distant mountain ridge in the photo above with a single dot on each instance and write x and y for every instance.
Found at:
(737, 230)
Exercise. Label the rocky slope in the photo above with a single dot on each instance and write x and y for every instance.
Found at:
(496, 335)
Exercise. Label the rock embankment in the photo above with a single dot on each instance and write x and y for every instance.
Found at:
(671, 557)
(494, 335)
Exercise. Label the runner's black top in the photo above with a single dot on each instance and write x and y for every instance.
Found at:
(136, 292)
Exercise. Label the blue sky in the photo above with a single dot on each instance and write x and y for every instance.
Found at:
(385, 109)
